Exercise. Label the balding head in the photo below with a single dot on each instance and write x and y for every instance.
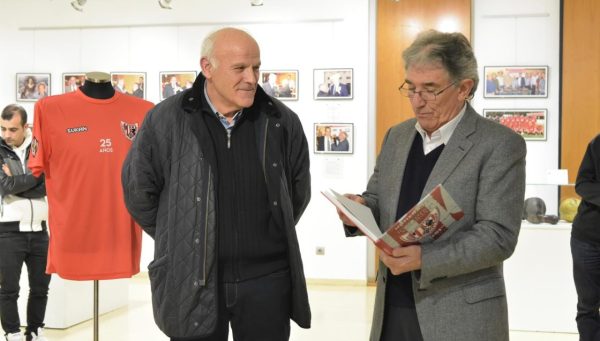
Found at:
(230, 62)
(210, 46)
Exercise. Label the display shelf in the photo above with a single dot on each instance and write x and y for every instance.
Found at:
(548, 192)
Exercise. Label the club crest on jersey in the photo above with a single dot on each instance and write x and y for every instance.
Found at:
(34, 146)
(129, 129)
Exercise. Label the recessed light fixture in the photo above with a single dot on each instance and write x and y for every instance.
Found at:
(78, 5)
(256, 2)
(166, 4)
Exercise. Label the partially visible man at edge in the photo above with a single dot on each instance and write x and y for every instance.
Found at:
(219, 176)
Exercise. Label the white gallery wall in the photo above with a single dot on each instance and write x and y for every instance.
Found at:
(48, 36)
(136, 35)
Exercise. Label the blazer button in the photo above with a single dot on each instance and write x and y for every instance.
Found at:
(198, 199)
(274, 203)
(274, 164)
(197, 241)
(278, 124)
(195, 283)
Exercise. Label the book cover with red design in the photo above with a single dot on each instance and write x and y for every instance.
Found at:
(429, 218)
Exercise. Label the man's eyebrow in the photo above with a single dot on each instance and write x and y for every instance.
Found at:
(425, 84)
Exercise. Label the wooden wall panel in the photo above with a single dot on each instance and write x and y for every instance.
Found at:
(398, 23)
(580, 83)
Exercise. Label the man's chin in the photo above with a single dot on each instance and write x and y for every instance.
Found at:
(246, 102)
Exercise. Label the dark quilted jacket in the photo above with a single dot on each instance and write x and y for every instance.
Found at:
(169, 188)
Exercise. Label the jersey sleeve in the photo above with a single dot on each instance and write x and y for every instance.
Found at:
(40, 148)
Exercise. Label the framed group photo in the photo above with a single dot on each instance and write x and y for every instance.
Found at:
(130, 83)
(333, 138)
(32, 86)
(332, 84)
(529, 123)
(281, 84)
(515, 81)
(72, 81)
(173, 82)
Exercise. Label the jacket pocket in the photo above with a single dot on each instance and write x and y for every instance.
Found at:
(484, 290)
(157, 273)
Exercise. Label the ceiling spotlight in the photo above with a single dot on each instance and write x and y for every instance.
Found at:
(78, 4)
(166, 4)
(256, 2)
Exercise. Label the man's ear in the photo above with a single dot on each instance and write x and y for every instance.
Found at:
(26, 126)
(206, 67)
(465, 88)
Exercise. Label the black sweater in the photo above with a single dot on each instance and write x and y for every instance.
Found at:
(416, 172)
(586, 226)
(251, 243)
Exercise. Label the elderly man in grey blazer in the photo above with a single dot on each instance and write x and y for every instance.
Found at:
(451, 288)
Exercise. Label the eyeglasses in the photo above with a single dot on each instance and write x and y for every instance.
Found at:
(426, 95)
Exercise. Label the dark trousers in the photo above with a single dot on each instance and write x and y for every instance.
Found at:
(400, 321)
(586, 273)
(17, 248)
(258, 310)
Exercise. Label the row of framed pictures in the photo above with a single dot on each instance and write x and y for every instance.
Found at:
(338, 138)
(328, 84)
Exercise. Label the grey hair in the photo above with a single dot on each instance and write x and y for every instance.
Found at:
(452, 50)
(206, 51)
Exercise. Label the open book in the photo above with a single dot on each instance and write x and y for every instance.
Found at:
(429, 218)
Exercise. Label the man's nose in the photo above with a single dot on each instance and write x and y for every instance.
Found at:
(250, 75)
(417, 100)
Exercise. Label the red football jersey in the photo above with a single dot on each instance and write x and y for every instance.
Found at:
(80, 143)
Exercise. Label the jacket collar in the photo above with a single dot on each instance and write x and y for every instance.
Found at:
(193, 100)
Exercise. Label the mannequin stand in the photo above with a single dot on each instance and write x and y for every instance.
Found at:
(96, 309)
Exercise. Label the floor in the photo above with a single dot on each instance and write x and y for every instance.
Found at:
(339, 313)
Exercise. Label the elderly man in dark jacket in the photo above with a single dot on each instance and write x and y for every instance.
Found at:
(219, 176)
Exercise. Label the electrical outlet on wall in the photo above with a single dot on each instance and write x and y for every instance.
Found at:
(320, 250)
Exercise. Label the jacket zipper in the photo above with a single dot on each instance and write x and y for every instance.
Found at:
(31, 221)
(206, 225)
(264, 160)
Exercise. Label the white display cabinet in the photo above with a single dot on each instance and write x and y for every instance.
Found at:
(539, 280)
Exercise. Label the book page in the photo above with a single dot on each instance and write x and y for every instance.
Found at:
(361, 215)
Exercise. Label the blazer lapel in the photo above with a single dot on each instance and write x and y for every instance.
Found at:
(402, 141)
(458, 146)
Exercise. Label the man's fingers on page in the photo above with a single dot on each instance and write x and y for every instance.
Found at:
(355, 197)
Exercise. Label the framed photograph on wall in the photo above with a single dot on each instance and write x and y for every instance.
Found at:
(334, 138)
(72, 81)
(32, 86)
(529, 123)
(515, 81)
(281, 84)
(173, 82)
(332, 84)
(130, 83)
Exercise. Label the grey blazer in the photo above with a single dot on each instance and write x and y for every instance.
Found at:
(459, 291)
